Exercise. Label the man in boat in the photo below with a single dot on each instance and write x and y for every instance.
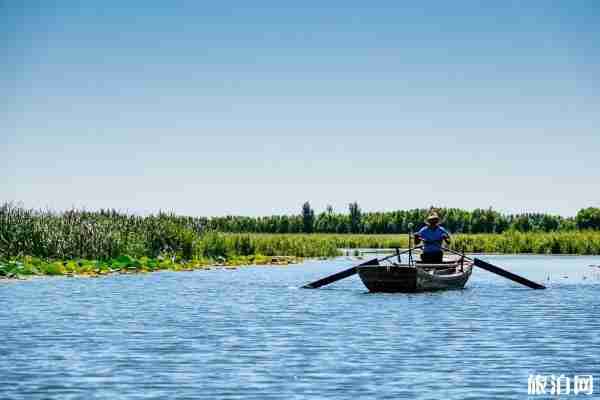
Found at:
(432, 235)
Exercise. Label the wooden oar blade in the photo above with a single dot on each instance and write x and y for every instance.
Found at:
(338, 276)
(506, 274)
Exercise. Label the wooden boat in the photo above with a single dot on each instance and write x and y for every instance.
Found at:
(416, 277)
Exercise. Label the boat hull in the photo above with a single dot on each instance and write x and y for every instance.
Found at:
(419, 278)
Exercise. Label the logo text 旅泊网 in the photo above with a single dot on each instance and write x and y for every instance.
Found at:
(560, 384)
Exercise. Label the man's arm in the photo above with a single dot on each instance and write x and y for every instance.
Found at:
(446, 236)
(417, 238)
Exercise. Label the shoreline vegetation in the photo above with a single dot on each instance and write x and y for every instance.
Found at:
(79, 242)
(27, 266)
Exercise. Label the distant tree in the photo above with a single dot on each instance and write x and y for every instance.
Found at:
(454, 219)
(342, 224)
(325, 222)
(567, 224)
(549, 223)
(355, 217)
(588, 218)
(308, 218)
(284, 225)
(478, 221)
(521, 223)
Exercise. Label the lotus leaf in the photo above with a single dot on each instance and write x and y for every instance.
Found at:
(124, 260)
(55, 268)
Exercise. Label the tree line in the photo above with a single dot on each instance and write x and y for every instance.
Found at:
(402, 221)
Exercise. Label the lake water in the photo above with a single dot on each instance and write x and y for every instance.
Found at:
(252, 334)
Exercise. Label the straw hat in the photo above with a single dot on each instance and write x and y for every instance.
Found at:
(432, 215)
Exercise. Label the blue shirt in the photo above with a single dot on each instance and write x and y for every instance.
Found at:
(433, 238)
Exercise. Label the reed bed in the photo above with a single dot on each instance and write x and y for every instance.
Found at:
(101, 235)
(585, 242)
(570, 242)
(94, 243)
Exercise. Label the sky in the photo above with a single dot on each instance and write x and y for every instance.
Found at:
(252, 108)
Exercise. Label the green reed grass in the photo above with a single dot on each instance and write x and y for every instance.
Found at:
(82, 242)
(569, 242)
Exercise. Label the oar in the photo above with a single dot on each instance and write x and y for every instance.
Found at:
(499, 271)
(338, 276)
(348, 272)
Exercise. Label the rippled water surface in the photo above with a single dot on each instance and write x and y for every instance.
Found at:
(252, 334)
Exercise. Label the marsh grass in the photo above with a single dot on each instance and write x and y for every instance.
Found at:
(79, 242)
(511, 242)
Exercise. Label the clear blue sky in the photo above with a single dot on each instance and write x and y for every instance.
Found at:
(222, 107)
